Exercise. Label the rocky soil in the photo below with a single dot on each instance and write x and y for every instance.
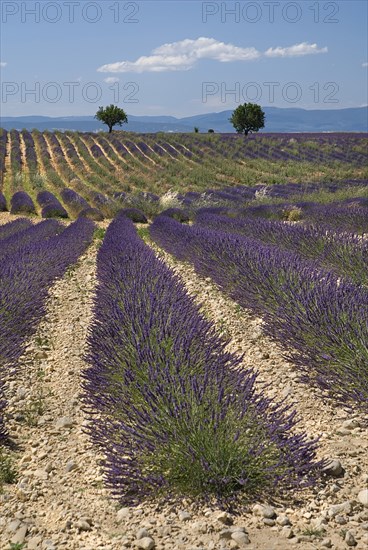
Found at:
(58, 500)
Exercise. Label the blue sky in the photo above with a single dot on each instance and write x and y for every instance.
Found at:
(181, 58)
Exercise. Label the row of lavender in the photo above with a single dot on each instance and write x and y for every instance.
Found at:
(311, 148)
(22, 203)
(102, 205)
(321, 320)
(348, 215)
(31, 258)
(170, 409)
(346, 254)
(51, 207)
(317, 148)
(279, 191)
(98, 207)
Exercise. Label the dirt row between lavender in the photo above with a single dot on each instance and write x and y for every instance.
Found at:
(58, 500)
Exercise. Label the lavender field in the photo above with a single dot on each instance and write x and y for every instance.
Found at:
(95, 164)
(184, 344)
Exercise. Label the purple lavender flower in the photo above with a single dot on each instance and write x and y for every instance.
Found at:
(74, 202)
(21, 203)
(51, 206)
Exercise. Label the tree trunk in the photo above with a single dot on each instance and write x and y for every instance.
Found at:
(110, 129)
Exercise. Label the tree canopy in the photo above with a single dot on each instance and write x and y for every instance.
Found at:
(111, 116)
(247, 118)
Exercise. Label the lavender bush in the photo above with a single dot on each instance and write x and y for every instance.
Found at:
(148, 203)
(134, 214)
(21, 203)
(73, 201)
(171, 410)
(92, 214)
(105, 204)
(321, 320)
(51, 206)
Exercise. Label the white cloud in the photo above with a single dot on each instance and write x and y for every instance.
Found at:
(365, 64)
(295, 51)
(183, 55)
(111, 80)
(3, 64)
(207, 48)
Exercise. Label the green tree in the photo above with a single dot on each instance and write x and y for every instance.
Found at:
(247, 118)
(196, 129)
(111, 116)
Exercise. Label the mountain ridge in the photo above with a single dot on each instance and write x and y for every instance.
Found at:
(354, 119)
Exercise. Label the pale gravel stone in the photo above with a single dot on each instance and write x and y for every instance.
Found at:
(287, 532)
(34, 543)
(267, 512)
(334, 468)
(146, 543)
(226, 534)
(64, 422)
(184, 515)
(225, 518)
(199, 527)
(350, 424)
(123, 514)
(13, 526)
(343, 507)
(240, 538)
(48, 468)
(349, 539)
(20, 534)
(70, 466)
(41, 474)
(142, 533)
(283, 520)
(363, 497)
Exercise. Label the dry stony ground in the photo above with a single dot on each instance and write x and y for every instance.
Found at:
(58, 500)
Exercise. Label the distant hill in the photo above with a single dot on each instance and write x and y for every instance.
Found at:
(277, 120)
